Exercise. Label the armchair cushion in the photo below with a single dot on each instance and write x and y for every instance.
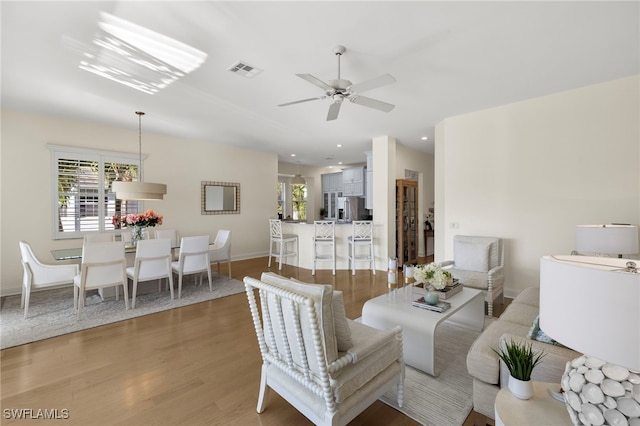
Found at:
(322, 295)
(471, 255)
(473, 279)
(373, 351)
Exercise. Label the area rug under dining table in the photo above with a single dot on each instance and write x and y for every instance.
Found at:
(51, 312)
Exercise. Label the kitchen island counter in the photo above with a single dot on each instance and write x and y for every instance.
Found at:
(304, 231)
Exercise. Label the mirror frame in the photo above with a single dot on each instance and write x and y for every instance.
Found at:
(203, 203)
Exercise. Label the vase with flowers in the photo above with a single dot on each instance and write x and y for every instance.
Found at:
(432, 275)
(138, 222)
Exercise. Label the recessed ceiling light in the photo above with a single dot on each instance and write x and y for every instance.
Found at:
(424, 138)
(339, 162)
(293, 155)
(339, 145)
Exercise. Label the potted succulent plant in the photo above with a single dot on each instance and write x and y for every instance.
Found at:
(520, 359)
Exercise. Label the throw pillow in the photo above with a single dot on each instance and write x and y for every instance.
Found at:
(343, 332)
(324, 309)
(471, 256)
(535, 333)
(340, 323)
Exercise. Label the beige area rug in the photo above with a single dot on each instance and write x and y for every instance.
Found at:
(445, 400)
(51, 312)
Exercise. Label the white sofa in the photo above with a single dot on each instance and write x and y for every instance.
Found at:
(327, 366)
(489, 373)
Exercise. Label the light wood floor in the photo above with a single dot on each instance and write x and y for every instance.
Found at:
(195, 365)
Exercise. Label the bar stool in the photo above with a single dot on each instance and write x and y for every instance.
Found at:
(324, 235)
(278, 242)
(362, 235)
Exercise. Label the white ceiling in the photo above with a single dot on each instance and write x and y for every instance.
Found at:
(448, 58)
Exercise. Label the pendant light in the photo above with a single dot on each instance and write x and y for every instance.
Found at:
(139, 190)
(298, 179)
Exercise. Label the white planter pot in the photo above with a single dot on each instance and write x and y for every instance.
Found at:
(521, 389)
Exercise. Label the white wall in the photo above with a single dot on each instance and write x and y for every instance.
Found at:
(26, 184)
(530, 171)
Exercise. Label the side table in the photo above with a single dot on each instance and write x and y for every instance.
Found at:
(541, 409)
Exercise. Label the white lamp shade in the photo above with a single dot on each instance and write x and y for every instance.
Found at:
(139, 190)
(607, 239)
(592, 306)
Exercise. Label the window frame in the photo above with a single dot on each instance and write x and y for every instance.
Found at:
(86, 154)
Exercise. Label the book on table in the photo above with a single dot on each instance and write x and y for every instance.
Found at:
(438, 307)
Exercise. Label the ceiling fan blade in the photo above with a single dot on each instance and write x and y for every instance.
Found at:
(374, 83)
(334, 110)
(313, 80)
(372, 103)
(302, 100)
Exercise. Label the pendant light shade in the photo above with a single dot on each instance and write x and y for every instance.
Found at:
(297, 179)
(139, 190)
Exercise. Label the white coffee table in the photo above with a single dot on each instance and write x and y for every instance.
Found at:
(419, 325)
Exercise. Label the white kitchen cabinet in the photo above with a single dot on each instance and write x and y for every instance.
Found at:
(353, 182)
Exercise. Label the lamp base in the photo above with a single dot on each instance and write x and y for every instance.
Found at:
(598, 393)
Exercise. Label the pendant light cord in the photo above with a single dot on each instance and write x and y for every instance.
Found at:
(140, 114)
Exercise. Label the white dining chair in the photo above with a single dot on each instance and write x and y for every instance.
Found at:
(152, 262)
(38, 275)
(103, 265)
(193, 259)
(278, 243)
(171, 234)
(220, 251)
(100, 237)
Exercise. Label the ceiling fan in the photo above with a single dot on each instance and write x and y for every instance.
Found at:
(339, 90)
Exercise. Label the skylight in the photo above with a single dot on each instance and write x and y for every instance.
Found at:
(138, 57)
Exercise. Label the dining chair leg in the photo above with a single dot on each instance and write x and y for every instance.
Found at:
(125, 287)
(210, 282)
(134, 292)
(170, 283)
(179, 285)
(26, 294)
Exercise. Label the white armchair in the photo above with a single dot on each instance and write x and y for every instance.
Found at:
(328, 367)
(39, 275)
(478, 262)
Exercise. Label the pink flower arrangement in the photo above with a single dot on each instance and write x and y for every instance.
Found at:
(148, 218)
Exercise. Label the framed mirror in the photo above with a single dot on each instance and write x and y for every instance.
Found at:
(220, 197)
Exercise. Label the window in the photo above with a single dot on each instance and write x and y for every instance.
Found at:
(281, 186)
(299, 201)
(81, 193)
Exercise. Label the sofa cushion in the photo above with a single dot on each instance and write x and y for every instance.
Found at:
(529, 296)
(471, 255)
(482, 362)
(520, 313)
(322, 295)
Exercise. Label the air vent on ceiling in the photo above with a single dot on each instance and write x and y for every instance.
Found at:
(244, 69)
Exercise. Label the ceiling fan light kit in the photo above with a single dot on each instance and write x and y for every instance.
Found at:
(340, 89)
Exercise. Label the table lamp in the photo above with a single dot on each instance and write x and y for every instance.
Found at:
(607, 239)
(592, 305)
